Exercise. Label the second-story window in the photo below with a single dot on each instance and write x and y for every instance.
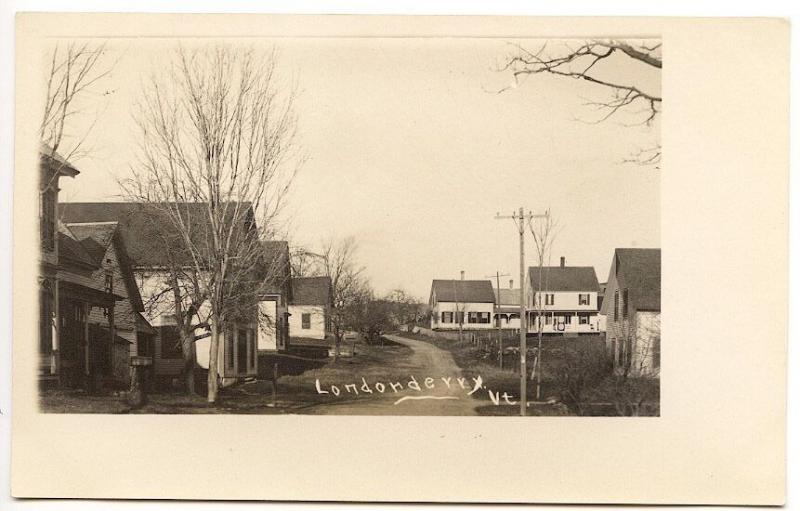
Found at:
(549, 299)
(583, 299)
(48, 220)
(109, 283)
(624, 304)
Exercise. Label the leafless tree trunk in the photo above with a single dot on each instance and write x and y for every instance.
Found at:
(593, 62)
(216, 157)
(347, 283)
(544, 230)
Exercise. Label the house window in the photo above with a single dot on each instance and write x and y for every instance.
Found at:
(583, 319)
(170, 342)
(567, 320)
(242, 350)
(447, 317)
(230, 343)
(616, 305)
(483, 317)
(48, 221)
(109, 283)
(628, 353)
(306, 318)
(549, 299)
(251, 344)
(583, 298)
(547, 318)
(625, 304)
(472, 317)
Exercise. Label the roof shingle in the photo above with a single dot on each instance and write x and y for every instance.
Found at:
(311, 290)
(639, 270)
(472, 291)
(564, 278)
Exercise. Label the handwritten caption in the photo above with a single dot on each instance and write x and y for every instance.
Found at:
(456, 388)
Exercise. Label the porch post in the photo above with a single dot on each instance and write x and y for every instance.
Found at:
(87, 369)
(56, 342)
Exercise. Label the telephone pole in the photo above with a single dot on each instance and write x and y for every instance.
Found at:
(497, 275)
(520, 218)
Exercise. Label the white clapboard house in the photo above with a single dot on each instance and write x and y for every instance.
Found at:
(563, 299)
(462, 304)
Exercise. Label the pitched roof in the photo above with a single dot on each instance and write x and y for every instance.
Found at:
(472, 291)
(564, 278)
(72, 251)
(311, 290)
(55, 161)
(507, 296)
(639, 270)
(96, 237)
(149, 235)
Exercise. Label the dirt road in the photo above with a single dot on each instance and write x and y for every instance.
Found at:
(442, 389)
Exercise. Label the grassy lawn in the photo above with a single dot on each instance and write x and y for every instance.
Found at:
(296, 390)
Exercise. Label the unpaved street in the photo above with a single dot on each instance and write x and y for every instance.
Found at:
(447, 397)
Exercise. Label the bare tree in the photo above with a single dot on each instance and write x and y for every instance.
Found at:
(593, 62)
(177, 291)
(544, 229)
(216, 130)
(72, 76)
(347, 286)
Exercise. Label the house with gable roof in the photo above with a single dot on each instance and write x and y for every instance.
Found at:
(563, 299)
(69, 293)
(461, 304)
(130, 334)
(632, 306)
(310, 308)
(156, 251)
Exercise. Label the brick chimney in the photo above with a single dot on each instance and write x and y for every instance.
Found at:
(563, 261)
(462, 274)
(510, 283)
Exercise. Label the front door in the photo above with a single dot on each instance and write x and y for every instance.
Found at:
(72, 342)
(242, 351)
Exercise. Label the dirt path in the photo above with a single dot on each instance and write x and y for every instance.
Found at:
(437, 375)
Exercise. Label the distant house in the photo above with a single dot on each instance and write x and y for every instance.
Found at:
(153, 246)
(507, 312)
(566, 296)
(124, 324)
(70, 356)
(310, 306)
(461, 304)
(632, 307)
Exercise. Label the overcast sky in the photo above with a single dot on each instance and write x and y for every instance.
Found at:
(411, 151)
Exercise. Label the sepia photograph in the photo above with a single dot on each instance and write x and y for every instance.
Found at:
(386, 258)
(338, 226)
